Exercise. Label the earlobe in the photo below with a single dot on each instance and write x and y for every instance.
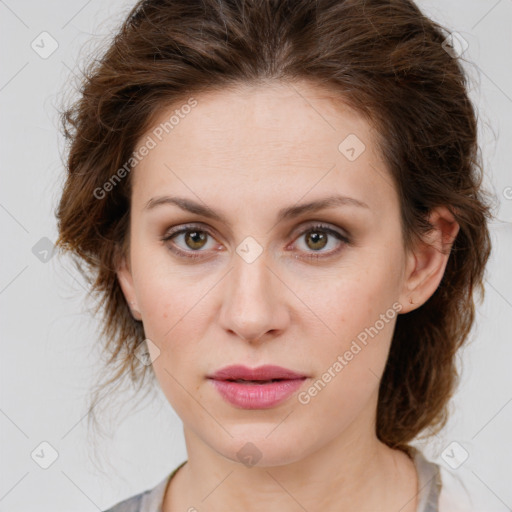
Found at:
(426, 263)
(125, 279)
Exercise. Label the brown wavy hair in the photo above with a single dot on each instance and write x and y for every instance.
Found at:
(386, 60)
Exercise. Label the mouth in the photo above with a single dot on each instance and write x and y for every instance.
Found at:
(264, 387)
(243, 381)
(260, 375)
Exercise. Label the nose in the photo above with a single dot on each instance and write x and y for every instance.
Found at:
(254, 302)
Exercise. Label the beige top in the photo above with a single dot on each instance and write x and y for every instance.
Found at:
(151, 500)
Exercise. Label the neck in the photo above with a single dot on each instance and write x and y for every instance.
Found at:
(351, 472)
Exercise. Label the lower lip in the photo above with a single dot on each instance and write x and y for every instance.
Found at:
(257, 396)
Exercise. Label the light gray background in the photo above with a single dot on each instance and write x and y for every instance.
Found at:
(48, 354)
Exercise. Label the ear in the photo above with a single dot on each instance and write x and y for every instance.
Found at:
(426, 262)
(125, 279)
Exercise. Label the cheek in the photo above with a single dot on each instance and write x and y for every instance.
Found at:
(176, 310)
(175, 322)
(352, 323)
(349, 363)
(164, 291)
(352, 300)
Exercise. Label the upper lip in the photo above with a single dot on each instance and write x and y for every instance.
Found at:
(265, 372)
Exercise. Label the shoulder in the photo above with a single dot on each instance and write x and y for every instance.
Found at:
(148, 501)
(464, 492)
(132, 504)
(450, 490)
(429, 482)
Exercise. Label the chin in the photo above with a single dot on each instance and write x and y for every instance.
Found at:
(254, 447)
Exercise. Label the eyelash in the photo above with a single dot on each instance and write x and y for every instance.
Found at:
(196, 254)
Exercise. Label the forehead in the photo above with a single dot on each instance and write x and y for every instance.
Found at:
(282, 140)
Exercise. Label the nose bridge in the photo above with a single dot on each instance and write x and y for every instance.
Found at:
(252, 305)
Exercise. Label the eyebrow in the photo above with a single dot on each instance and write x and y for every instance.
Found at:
(283, 214)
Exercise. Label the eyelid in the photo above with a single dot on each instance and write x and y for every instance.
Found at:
(299, 230)
(186, 227)
(319, 224)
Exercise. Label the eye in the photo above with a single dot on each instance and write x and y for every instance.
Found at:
(319, 236)
(194, 239)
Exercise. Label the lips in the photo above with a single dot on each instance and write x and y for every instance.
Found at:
(264, 387)
(261, 374)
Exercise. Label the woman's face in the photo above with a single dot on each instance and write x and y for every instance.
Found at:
(250, 286)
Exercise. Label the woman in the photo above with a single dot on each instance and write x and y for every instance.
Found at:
(280, 203)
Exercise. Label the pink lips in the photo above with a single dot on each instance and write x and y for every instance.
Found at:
(258, 388)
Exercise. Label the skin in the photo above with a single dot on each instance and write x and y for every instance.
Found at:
(247, 153)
